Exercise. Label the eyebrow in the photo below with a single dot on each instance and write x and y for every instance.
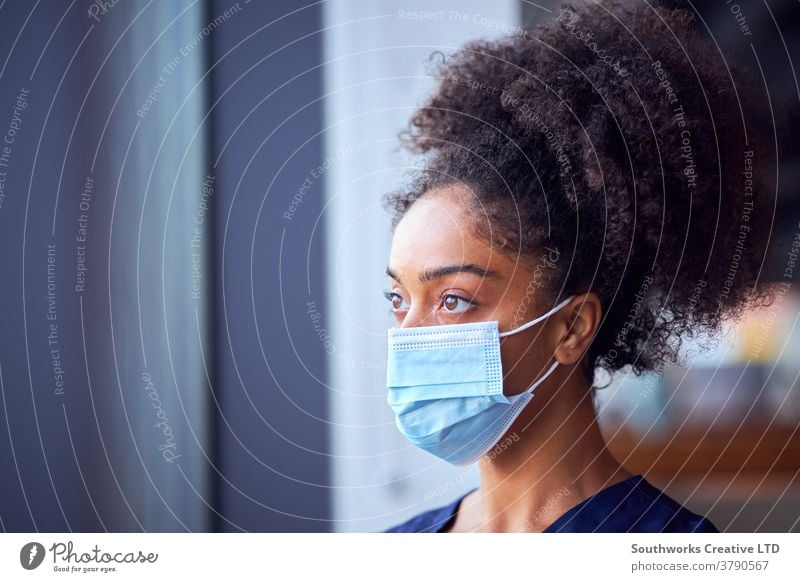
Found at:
(439, 272)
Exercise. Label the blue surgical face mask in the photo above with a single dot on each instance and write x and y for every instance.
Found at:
(445, 386)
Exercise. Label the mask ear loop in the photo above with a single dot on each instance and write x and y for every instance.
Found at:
(525, 326)
(543, 378)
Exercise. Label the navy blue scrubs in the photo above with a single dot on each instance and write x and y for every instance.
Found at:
(632, 505)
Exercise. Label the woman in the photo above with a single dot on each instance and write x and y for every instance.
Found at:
(591, 192)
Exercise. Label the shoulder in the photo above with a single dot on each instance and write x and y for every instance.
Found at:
(431, 521)
(633, 505)
(661, 512)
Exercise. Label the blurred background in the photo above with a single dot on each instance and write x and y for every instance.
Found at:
(192, 325)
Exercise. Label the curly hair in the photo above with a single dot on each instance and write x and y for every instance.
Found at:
(617, 135)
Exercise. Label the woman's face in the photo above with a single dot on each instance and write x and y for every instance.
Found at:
(442, 272)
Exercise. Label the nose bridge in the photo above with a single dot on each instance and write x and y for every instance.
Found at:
(413, 319)
(417, 316)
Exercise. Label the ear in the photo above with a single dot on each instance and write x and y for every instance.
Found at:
(578, 323)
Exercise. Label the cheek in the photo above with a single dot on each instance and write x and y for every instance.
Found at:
(521, 363)
(514, 357)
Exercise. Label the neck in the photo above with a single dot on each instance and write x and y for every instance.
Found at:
(554, 457)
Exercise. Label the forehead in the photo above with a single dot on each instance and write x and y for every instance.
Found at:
(440, 229)
(440, 217)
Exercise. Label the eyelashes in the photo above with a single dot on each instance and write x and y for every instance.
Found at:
(464, 303)
(445, 296)
(390, 297)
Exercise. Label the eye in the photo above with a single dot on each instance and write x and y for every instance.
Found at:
(455, 304)
(395, 299)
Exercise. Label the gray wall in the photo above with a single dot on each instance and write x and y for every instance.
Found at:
(271, 386)
(104, 422)
(193, 379)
